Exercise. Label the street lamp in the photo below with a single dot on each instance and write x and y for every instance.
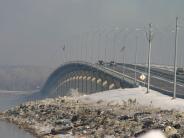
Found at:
(119, 31)
(115, 32)
(175, 58)
(150, 38)
(136, 59)
(142, 76)
(122, 50)
(107, 38)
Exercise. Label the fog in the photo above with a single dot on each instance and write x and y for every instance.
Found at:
(33, 32)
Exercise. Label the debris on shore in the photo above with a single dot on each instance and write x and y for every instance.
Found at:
(68, 116)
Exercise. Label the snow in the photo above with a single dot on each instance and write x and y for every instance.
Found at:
(153, 98)
(153, 134)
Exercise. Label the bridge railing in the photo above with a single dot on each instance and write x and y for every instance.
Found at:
(165, 90)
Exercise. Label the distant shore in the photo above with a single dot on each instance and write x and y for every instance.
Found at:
(6, 92)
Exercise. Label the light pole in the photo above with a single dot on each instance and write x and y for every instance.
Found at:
(108, 44)
(143, 30)
(63, 50)
(150, 38)
(99, 44)
(136, 59)
(93, 45)
(86, 46)
(175, 58)
(114, 44)
(122, 50)
(119, 31)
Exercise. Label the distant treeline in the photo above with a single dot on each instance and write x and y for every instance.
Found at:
(23, 78)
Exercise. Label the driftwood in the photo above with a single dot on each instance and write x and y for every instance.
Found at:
(56, 131)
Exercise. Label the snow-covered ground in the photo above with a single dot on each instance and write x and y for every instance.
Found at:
(153, 98)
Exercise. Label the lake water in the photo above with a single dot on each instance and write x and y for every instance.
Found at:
(8, 130)
(10, 99)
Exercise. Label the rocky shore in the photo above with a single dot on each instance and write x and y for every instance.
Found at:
(70, 117)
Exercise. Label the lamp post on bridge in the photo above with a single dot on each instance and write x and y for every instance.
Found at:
(150, 38)
(175, 58)
(123, 51)
(63, 50)
(107, 45)
(119, 31)
(136, 59)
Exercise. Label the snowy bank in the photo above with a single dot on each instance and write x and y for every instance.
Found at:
(153, 98)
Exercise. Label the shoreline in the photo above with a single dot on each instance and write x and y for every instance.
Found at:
(26, 129)
(6, 92)
(128, 118)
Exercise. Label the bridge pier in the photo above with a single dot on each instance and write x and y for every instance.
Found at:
(89, 84)
(111, 86)
(85, 81)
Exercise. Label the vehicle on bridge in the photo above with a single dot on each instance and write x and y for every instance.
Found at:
(180, 71)
(112, 63)
(100, 62)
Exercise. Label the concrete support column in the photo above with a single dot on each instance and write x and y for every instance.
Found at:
(60, 86)
(89, 83)
(91, 88)
(57, 87)
(104, 84)
(69, 80)
(75, 86)
(65, 82)
(111, 86)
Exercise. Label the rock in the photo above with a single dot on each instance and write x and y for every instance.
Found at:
(84, 132)
(141, 116)
(175, 136)
(137, 134)
(169, 131)
(177, 126)
(62, 100)
(158, 126)
(99, 112)
(63, 122)
(74, 118)
(61, 130)
(179, 115)
(13, 112)
(147, 123)
(99, 133)
(166, 111)
(142, 113)
(123, 117)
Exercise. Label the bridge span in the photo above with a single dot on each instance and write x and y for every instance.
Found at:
(88, 78)
(85, 77)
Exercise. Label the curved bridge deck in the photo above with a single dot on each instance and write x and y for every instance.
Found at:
(85, 77)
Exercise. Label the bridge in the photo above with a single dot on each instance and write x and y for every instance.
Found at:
(86, 78)
(89, 78)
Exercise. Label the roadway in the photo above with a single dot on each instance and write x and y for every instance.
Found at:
(161, 79)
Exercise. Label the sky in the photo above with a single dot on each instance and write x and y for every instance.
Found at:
(33, 32)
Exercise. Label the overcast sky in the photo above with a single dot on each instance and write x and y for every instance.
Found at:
(32, 32)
